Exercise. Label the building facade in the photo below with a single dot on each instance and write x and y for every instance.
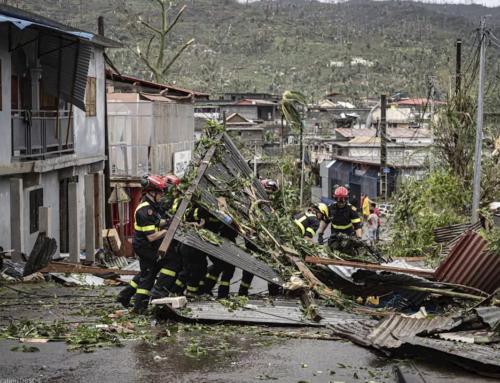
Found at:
(52, 117)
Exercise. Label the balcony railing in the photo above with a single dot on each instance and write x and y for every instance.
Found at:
(35, 134)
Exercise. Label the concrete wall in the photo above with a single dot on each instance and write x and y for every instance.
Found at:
(247, 111)
(5, 115)
(89, 131)
(173, 131)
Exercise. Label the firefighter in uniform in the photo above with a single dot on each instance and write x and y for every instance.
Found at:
(220, 268)
(149, 230)
(308, 222)
(343, 216)
(246, 280)
(194, 261)
(128, 292)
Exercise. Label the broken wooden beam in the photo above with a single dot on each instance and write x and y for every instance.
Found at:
(370, 266)
(314, 283)
(311, 305)
(186, 200)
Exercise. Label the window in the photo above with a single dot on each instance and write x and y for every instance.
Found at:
(36, 201)
(90, 97)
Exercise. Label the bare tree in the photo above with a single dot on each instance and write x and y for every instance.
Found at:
(158, 65)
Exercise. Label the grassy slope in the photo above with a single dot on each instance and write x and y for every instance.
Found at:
(241, 48)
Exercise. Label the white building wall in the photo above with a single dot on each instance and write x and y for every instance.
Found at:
(5, 113)
(89, 131)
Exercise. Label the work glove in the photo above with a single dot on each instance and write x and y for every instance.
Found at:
(320, 238)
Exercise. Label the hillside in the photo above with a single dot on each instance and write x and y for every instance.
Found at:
(274, 46)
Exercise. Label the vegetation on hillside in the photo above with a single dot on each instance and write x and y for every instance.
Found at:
(274, 46)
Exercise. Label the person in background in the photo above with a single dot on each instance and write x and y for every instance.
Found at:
(372, 226)
(377, 213)
(355, 202)
(366, 207)
(362, 200)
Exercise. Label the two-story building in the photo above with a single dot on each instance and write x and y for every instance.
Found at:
(52, 117)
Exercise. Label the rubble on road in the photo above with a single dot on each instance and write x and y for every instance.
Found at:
(355, 291)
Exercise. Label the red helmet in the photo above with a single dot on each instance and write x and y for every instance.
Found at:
(154, 183)
(341, 192)
(269, 185)
(172, 179)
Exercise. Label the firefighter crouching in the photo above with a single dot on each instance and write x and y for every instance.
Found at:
(343, 217)
(149, 230)
(308, 222)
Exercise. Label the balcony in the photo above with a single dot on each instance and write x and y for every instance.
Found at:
(36, 135)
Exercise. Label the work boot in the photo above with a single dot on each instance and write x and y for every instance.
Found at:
(124, 301)
(274, 289)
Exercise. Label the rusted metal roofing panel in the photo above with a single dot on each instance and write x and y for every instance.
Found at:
(230, 253)
(468, 264)
(489, 315)
(448, 233)
(388, 331)
(446, 247)
(471, 336)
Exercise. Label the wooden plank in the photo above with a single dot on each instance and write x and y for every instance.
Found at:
(309, 303)
(366, 266)
(314, 283)
(167, 240)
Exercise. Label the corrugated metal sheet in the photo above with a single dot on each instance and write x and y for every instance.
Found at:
(471, 336)
(410, 298)
(62, 77)
(469, 265)
(356, 332)
(445, 234)
(80, 279)
(481, 354)
(388, 331)
(230, 253)
(41, 255)
(15, 270)
(447, 246)
(281, 313)
(134, 266)
(117, 263)
(489, 315)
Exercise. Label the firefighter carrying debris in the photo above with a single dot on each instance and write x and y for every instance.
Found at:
(149, 230)
(343, 217)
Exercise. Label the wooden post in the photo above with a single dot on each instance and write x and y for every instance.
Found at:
(167, 240)
(59, 91)
(107, 171)
(72, 92)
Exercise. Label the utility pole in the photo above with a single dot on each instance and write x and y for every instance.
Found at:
(458, 78)
(479, 129)
(383, 147)
(431, 157)
(107, 169)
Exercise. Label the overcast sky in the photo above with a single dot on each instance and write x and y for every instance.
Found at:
(488, 3)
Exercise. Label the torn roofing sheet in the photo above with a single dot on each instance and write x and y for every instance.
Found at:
(489, 315)
(360, 276)
(447, 233)
(484, 355)
(356, 332)
(471, 336)
(230, 253)
(469, 264)
(80, 279)
(388, 331)
(287, 312)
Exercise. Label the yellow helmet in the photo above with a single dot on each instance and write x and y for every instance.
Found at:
(321, 208)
